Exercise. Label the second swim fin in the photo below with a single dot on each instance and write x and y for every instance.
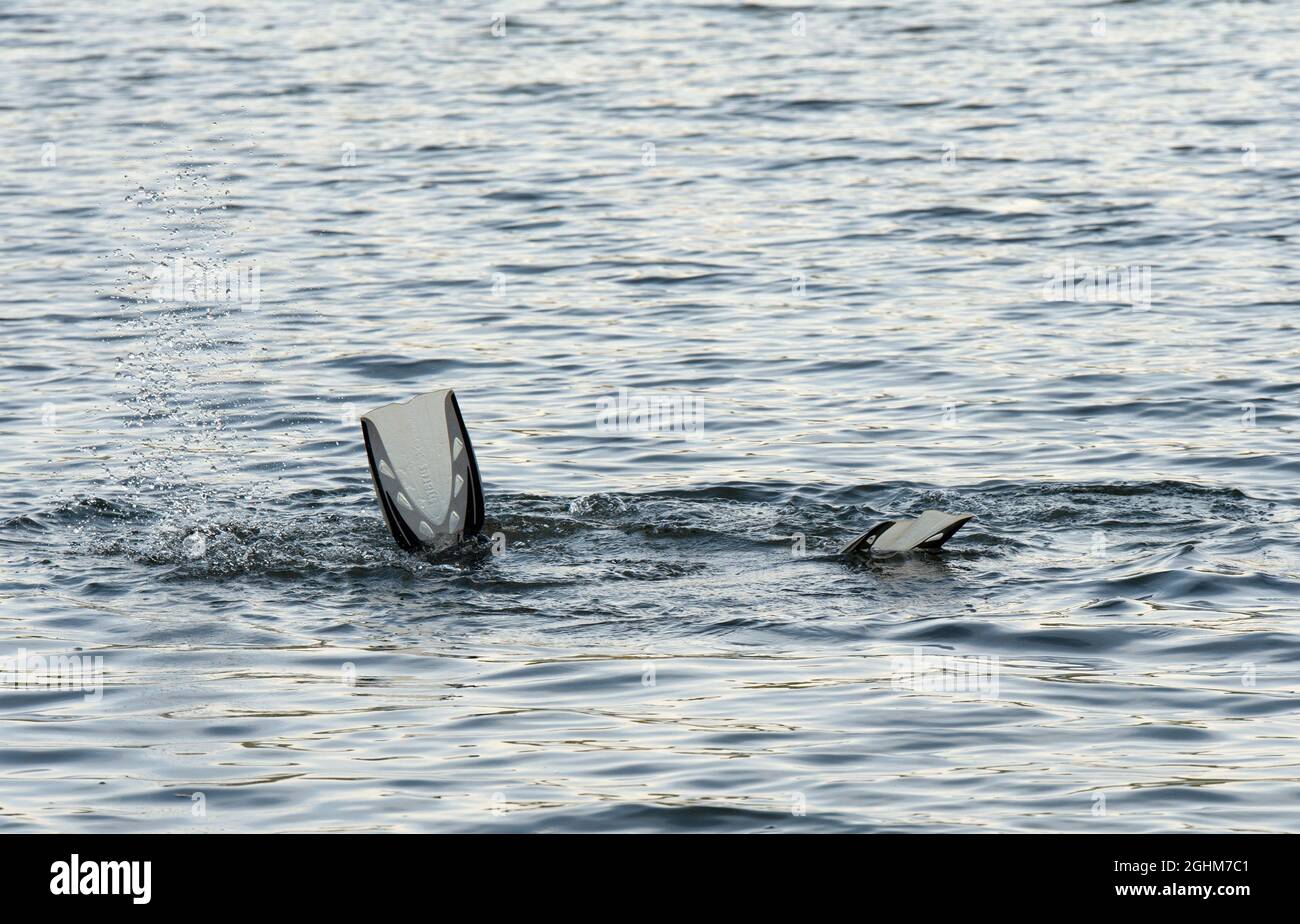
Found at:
(929, 531)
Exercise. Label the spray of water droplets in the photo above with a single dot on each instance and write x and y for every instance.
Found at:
(186, 372)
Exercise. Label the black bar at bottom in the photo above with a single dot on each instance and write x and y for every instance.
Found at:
(332, 873)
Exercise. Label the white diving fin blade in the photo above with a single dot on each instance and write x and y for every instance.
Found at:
(424, 471)
(928, 531)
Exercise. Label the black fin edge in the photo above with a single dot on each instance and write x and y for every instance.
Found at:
(864, 542)
(939, 539)
(475, 508)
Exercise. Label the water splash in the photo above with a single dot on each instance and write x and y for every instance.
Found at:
(187, 375)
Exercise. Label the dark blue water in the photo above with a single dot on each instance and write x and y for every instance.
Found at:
(836, 229)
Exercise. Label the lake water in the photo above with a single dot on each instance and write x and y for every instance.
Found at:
(859, 240)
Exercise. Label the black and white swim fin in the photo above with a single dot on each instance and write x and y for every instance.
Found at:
(929, 531)
(425, 474)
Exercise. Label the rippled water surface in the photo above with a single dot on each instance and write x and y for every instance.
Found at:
(834, 227)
